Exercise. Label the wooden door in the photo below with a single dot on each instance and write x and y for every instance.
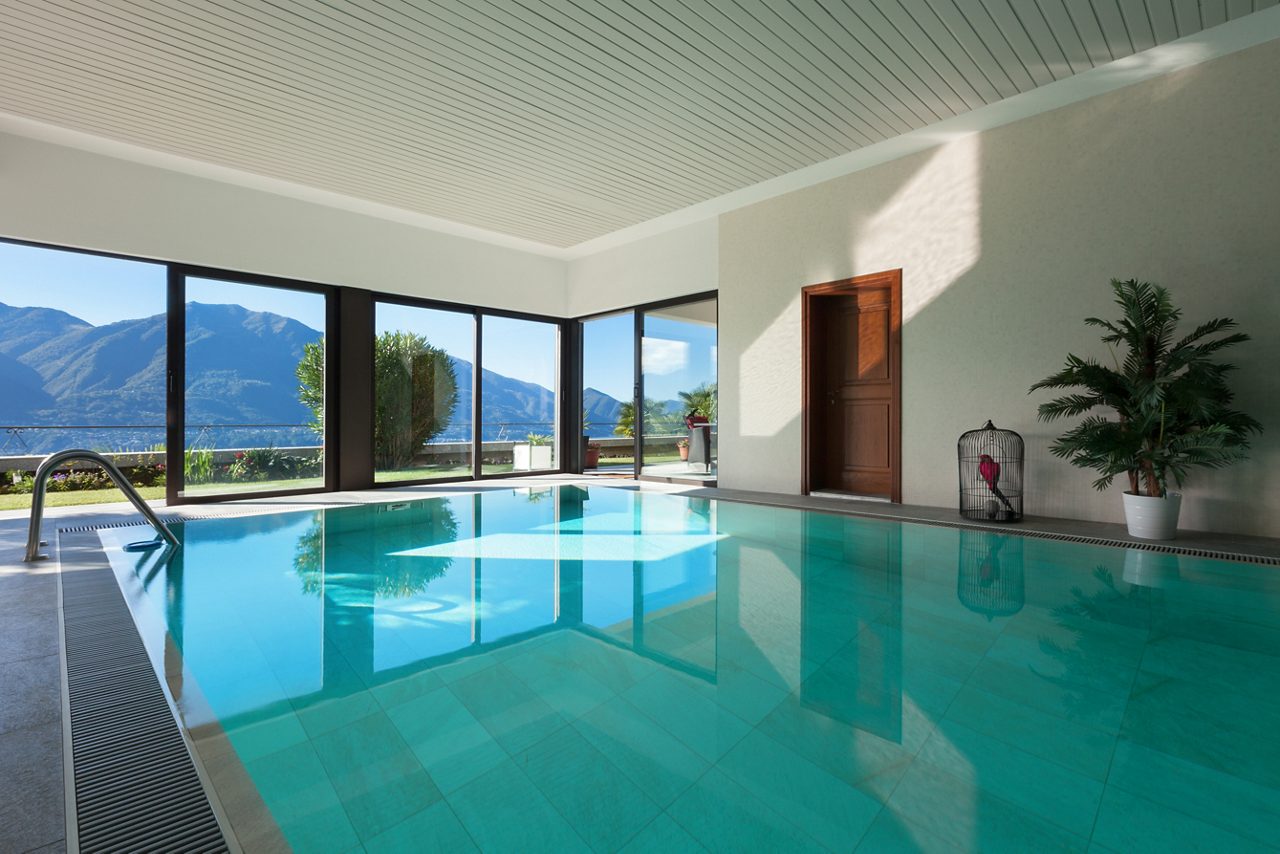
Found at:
(853, 382)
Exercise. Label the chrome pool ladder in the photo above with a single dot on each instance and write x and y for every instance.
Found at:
(41, 484)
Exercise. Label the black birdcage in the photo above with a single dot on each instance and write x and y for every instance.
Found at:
(991, 474)
(990, 580)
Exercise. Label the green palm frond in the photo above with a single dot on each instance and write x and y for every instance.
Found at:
(1169, 403)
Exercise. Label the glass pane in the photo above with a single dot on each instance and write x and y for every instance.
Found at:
(82, 365)
(254, 388)
(519, 412)
(678, 360)
(422, 393)
(608, 390)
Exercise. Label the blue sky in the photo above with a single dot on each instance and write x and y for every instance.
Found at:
(100, 290)
(91, 287)
(608, 344)
(678, 356)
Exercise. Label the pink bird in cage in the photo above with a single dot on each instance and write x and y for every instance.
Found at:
(989, 469)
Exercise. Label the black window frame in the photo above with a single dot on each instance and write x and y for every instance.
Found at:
(349, 341)
(175, 400)
(637, 366)
(563, 328)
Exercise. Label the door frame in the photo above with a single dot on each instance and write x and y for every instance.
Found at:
(841, 287)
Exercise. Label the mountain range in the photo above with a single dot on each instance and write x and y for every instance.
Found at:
(57, 369)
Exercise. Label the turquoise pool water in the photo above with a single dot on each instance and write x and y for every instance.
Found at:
(570, 669)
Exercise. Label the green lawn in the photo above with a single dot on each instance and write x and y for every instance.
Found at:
(78, 497)
(422, 472)
(252, 486)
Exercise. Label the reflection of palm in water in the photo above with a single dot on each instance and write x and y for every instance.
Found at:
(394, 574)
(1080, 663)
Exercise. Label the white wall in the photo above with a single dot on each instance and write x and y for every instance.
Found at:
(672, 264)
(1007, 239)
(55, 194)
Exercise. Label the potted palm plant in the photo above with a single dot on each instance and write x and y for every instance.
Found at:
(1169, 402)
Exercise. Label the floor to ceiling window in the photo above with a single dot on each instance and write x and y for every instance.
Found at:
(679, 391)
(82, 365)
(608, 389)
(649, 391)
(203, 383)
(519, 413)
(254, 393)
(423, 364)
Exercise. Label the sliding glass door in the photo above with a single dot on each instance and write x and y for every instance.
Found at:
(663, 426)
(254, 393)
(422, 366)
(82, 365)
(519, 412)
(678, 384)
(608, 392)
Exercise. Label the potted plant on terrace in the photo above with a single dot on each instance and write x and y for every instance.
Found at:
(532, 454)
(683, 447)
(593, 455)
(1171, 404)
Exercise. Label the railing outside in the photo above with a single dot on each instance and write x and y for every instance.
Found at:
(215, 448)
(23, 446)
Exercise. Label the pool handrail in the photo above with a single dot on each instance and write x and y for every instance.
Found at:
(38, 489)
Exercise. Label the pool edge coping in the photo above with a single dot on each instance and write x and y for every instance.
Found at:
(1016, 529)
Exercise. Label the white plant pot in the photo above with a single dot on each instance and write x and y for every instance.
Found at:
(1152, 518)
(526, 457)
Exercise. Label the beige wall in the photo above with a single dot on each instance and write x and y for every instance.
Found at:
(65, 196)
(672, 264)
(1007, 240)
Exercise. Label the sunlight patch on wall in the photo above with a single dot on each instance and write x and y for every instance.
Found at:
(768, 364)
(930, 227)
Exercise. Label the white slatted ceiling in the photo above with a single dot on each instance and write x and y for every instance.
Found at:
(552, 120)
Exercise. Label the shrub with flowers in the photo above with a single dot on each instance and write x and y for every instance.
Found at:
(23, 482)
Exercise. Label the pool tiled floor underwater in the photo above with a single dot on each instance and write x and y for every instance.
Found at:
(762, 680)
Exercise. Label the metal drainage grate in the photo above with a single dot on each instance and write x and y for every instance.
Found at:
(130, 523)
(1164, 548)
(136, 786)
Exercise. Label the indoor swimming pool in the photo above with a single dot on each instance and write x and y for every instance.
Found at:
(573, 669)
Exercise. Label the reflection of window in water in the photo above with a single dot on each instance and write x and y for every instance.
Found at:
(390, 530)
(662, 607)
